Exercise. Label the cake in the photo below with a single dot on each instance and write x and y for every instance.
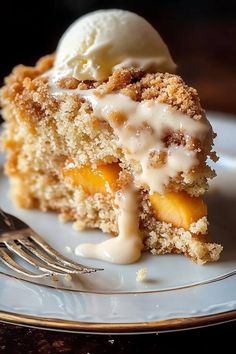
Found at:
(104, 133)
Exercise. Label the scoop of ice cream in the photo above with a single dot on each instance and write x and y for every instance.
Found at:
(97, 44)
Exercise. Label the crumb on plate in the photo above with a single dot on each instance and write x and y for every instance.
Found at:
(141, 275)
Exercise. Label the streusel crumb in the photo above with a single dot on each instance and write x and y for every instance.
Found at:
(141, 275)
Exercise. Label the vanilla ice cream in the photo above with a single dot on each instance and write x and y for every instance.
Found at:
(97, 44)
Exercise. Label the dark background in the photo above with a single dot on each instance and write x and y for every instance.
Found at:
(201, 37)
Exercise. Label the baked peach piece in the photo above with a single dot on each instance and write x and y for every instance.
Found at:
(100, 180)
(178, 209)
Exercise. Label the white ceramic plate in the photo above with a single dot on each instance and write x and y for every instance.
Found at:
(176, 294)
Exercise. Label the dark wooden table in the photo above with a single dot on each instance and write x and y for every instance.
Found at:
(205, 52)
(19, 340)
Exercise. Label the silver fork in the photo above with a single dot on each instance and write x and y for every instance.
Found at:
(17, 238)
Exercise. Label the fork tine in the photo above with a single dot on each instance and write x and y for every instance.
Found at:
(36, 251)
(60, 259)
(10, 263)
(23, 241)
(17, 249)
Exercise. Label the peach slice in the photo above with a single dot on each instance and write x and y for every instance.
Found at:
(178, 208)
(94, 180)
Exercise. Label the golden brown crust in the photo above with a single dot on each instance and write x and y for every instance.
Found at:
(29, 95)
(164, 87)
(20, 72)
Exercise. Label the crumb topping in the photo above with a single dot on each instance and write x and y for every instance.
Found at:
(164, 87)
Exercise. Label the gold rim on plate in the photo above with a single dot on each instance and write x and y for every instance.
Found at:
(154, 326)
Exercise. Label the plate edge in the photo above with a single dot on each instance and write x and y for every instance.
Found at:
(119, 328)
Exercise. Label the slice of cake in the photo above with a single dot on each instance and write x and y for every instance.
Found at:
(102, 134)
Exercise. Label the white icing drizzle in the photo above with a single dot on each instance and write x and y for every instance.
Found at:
(146, 125)
(126, 247)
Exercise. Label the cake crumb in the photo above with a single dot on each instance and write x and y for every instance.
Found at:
(141, 275)
(200, 226)
(79, 225)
